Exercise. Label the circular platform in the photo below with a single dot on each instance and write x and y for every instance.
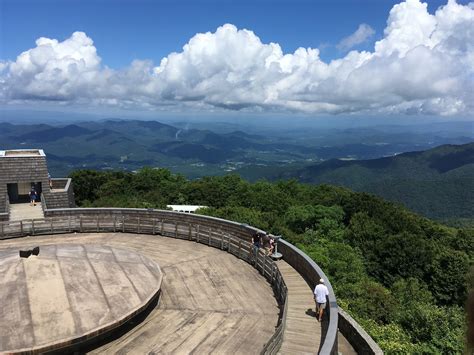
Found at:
(71, 293)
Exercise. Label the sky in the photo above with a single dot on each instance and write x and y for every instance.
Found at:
(328, 57)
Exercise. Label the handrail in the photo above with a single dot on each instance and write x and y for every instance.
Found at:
(6, 215)
(152, 222)
(274, 344)
(43, 203)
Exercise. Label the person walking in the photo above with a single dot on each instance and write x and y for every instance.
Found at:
(33, 197)
(320, 293)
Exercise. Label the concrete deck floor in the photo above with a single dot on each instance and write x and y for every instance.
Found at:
(211, 301)
(22, 211)
(70, 292)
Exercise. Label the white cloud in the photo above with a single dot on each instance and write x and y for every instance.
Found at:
(361, 35)
(423, 64)
(55, 70)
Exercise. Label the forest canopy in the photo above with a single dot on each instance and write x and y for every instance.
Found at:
(403, 277)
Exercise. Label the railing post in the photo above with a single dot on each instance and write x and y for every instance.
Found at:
(190, 231)
(32, 227)
(123, 224)
(138, 225)
(3, 226)
(272, 278)
(209, 236)
(69, 224)
(279, 284)
(80, 224)
(228, 243)
(222, 240)
(115, 223)
(154, 226)
(240, 249)
(264, 264)
(98, 227)
(176, 229)
(51, 220)
(197, 234)
(162, 226)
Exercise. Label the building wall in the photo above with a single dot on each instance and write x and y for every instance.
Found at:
(27, 169)
(21, 169)
(60, 197)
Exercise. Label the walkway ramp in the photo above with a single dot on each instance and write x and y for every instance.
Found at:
(303, 332)
(25, 211)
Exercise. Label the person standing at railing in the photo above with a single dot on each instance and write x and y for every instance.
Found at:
(320, 293)
(256, 244)
(271, 246)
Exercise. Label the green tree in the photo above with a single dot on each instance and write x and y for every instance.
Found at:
(300, 218)
(87, 184)
(449, 275)
(373, 301)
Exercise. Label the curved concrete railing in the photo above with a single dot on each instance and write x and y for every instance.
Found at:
(216, 232)
(360, 340)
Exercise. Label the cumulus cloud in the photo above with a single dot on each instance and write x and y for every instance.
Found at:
(361, 35)
(54, 70)
(423, 64)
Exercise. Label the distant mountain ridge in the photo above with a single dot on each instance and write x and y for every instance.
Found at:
(437, 183)
(434, 184)
(131, 144)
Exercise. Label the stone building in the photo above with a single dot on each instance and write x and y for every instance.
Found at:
(24, 169)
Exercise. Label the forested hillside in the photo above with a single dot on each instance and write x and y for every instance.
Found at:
(438, 183)
(402, 276)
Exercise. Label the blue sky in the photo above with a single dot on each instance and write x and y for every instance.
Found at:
(124, 31)
(143, 29)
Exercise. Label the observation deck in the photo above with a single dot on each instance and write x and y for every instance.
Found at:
(214, 297)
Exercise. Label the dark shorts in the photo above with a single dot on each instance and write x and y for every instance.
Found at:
(321, 305)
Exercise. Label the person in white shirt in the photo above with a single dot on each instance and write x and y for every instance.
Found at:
(320, 293)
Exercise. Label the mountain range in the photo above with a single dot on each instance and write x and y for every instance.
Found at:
(438, 183)
(200, 149)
